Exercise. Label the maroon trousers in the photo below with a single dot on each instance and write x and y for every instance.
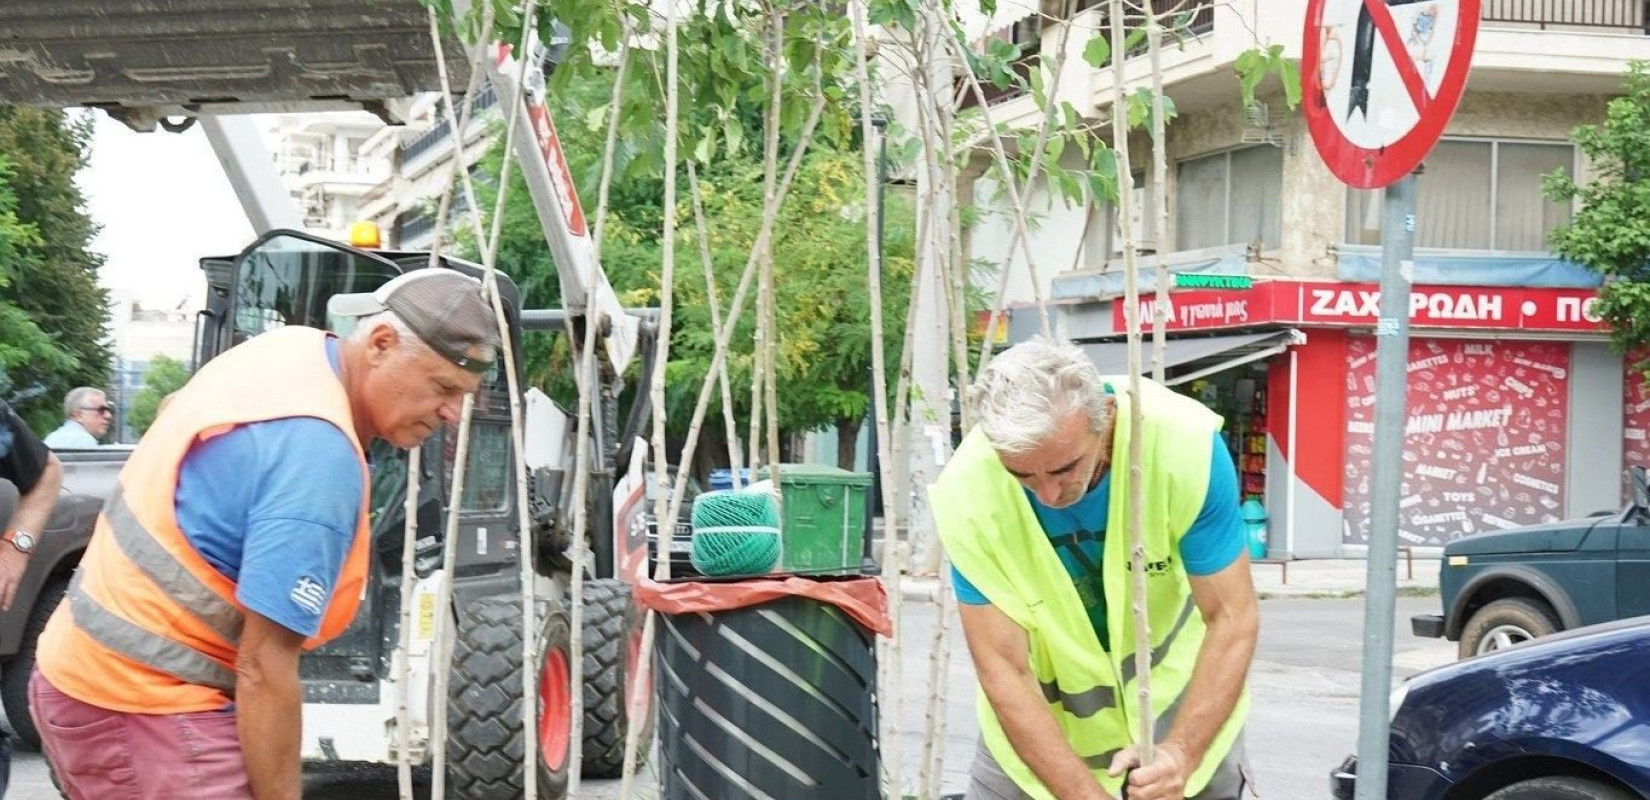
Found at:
(98, 754)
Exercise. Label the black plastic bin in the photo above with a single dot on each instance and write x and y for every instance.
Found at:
(772, 700)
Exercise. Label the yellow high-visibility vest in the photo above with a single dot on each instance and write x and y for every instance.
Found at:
(993, 537)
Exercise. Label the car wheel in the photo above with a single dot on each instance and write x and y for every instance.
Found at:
(1560, 788)
(1504, 623)
(14, 684)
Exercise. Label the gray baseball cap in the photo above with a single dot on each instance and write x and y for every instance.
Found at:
(444, 308)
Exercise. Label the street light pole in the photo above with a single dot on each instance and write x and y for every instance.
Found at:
(873, 498)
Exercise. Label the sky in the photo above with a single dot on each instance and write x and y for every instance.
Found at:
(163, 202)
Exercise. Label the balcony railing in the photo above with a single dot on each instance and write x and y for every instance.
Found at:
(1617, 15)
(1182, 19)
(439, 134)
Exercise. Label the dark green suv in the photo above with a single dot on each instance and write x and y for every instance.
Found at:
(1506, 587)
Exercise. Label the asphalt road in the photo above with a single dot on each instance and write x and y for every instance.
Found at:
(1304, 720)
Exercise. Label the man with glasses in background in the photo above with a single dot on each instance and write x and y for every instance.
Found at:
(87, 418)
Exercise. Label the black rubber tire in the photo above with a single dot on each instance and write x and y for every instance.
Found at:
(1522, 617)
(14, 682)
(484, 736)
(612, 632)
(1562, 787)
(800, 720)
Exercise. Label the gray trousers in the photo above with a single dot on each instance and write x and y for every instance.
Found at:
(987, 781)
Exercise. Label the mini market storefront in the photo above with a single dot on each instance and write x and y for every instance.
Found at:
(1518, 412)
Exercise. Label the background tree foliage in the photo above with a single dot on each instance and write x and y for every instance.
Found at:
(48, 274)
(1611, 231)
(22, 342)
(164, 376)
(819, 249)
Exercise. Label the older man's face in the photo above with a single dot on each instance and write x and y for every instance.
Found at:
(1062, 469)
(95, 414)
(414, 391)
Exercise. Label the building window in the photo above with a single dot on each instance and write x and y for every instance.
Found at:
(1233, 197)
(1475, 195)
(1103, 234)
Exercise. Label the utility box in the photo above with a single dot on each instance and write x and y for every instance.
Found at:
(822, 518)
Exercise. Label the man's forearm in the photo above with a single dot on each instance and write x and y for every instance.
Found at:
(269, 706)
(1216, 684)
(34, 509)
(1037, 739)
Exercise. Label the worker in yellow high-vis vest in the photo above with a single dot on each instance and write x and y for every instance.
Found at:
(1033, 511)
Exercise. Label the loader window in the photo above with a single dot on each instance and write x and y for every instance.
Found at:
(389, 482)
(487, 476)
(286, 279)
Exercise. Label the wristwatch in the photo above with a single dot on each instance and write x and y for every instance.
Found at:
(24, 541)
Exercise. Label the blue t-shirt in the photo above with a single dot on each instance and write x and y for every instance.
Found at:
(1078, 534)
(273, 506)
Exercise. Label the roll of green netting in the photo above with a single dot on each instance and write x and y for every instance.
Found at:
(735, 532)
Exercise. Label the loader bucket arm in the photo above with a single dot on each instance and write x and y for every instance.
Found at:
(145, 60)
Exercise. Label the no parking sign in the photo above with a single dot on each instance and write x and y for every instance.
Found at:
(1380, 79)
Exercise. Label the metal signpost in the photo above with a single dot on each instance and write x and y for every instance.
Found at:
(1380, 80)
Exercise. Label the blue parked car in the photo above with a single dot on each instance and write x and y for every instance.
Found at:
(1566, 717)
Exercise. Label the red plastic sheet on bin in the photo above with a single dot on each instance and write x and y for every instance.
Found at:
(863, 598)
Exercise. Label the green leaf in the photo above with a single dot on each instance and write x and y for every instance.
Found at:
(1103, 173)
(1134, 39)
(1139, 107)
(1291, 83)
(705, 148)
(1097, 52)
(596, 118)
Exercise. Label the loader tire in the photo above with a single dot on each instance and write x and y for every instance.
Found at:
(484, 728)
(14, 682)
(613, 700)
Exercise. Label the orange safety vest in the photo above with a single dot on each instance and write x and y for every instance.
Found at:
(149, 626)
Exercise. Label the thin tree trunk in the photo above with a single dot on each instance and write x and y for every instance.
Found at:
(1019, 194)
(847, 442)
(737, 305)
(887, 680)
(762, 349)
(1160, 194)
(403, 646)
(444, 620)
(667, 287)
(612, 142)
(1136, 497)
(715, 319)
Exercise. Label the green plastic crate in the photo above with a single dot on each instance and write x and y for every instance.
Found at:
(822, 518)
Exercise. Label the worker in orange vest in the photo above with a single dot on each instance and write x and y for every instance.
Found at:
(237, 538)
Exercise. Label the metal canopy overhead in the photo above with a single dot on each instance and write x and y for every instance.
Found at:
(1212, 353)
(143, 60)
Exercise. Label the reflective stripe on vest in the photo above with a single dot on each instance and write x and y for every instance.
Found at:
(1162, 650)
(1102, 761)
(145, 647)
(1090, 702)
(169, 574)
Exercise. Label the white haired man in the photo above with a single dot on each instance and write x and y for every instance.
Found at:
(1033, 509)
(86, 419)
(237, 538)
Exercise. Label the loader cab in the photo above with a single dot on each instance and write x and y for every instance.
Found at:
(286, 278)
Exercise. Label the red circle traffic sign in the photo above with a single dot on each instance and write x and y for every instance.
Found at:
(1380, 80)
